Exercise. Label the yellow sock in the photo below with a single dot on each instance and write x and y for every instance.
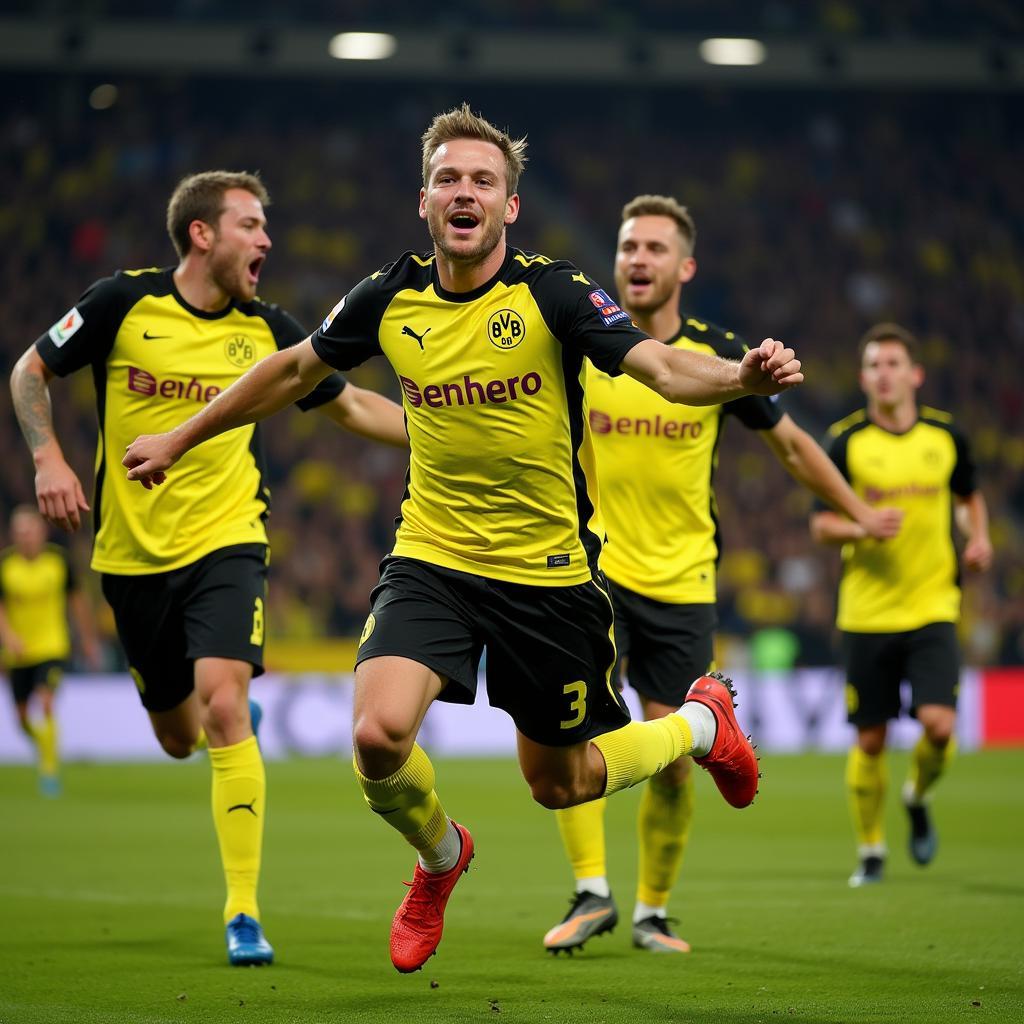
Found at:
(663, 827)
(866, 779)
(407, 801)
(641, 749)
(927, 763)
(46, 740)
(582, 829)
(239, 794)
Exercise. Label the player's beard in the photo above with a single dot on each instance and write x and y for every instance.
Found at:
(659, 293)
(231, 276)
(488, 242)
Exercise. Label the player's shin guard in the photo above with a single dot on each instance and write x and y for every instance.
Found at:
(927, 763)
(663, 827)
(866, 779)
(582, 829)
(239, 805)
(641, 749)
(407, 802)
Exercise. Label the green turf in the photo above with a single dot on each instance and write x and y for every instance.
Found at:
(110, 906)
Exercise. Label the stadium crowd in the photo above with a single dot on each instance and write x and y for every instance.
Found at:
(817, 215)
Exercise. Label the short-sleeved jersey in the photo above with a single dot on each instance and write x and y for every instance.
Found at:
(34, 595)
(912, 580)
(501, 476)
(655, 463)
(156, 361)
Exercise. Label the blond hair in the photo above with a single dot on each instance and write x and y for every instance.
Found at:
(201, 197)
(664, 206)
(462, 123)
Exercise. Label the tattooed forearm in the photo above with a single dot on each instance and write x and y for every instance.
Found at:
(32, 406)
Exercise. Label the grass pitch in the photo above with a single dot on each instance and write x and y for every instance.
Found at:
(110, 906)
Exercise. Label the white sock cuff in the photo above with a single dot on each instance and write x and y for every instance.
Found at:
(598, 885)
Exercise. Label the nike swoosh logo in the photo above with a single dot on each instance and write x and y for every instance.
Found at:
(155, 337)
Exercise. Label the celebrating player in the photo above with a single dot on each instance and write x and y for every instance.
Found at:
(655, 464)
(500, 528)
(899, 602)
(38, 588)
(185, 570)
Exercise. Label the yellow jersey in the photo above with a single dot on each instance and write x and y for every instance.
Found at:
(912, 580)
(656, 462)
(155, 361)
(501, 481)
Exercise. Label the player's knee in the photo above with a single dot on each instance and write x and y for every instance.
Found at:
(940, 733)
(381, 746)
(555, 795)
(175, 745)
(225, 708)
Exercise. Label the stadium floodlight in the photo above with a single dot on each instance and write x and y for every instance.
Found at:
(362, 46)
(736, 52)
(103, 97)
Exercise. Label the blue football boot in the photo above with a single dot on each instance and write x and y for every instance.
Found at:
(256, 714)
(247, 944)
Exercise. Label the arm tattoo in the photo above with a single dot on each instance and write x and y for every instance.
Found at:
(32, 407)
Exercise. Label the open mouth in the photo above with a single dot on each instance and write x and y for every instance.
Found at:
(463, 221)
(254, 268)
(639, 282)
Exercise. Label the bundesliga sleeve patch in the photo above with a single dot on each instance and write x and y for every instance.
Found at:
(333, 313)
(66, 326)
(606, 307)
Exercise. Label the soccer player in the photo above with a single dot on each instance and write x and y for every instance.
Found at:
(185, 571)
(656, 463)
(500, 529)
(38, 589)
(899, 602)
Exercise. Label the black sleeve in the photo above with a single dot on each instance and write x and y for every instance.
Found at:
(288, 331)
(964, 481)
(580, 314)
(835, 446)
(755, 412)
(350, 334)
(85, 333)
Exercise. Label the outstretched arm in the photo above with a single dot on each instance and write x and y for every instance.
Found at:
(806, 461)
(58, 490)
(274, 382)
(697, 379)
(368, 414)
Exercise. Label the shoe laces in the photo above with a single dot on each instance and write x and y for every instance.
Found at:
(245, 930)
(424, 893)
(577, 899)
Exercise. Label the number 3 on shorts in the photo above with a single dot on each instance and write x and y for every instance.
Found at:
(257, 623)
(577, 705)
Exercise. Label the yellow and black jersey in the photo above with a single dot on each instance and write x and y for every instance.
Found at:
(656, 462)
(501, 477)
(34, 595)
(155, 361)
(912, 580)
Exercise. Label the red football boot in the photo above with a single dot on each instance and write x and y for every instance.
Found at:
(419, 921)
(731, 760)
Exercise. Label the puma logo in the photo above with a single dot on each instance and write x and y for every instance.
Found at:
(245, 807)
(419, 337)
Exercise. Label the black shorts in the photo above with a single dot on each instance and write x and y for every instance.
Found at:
(662, 647)
(27, 678)
(213, 608)
(549, 649)
(876, 663)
